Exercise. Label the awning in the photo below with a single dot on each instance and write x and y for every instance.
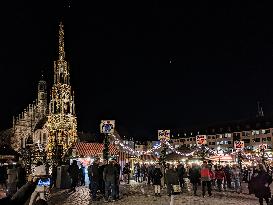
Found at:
(94, 149)
(147, 157)
(221, 158)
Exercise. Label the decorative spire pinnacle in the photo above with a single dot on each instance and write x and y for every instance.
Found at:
(61, 41)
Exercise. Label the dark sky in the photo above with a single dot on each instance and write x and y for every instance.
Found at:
(120, 53)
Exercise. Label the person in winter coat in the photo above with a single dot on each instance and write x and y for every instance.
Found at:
(3, 177)
(252, 174)
(205, 173)
(171, 179)
(117, 182)
(151, 169)
(21, 176)
(227, 171)
(110, 174)
(181, 172)
(137, 172)
(94, 171)
(74, 173)
(126, 173)
(261, 184)
(157, 175)
(194, 176)
(12, 180)
(101, 181)
(82, 175)
(236, 175)
(219, 177)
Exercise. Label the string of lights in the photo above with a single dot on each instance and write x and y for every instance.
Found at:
(212, 152)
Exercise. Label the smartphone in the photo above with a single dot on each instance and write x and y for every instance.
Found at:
(44, 182)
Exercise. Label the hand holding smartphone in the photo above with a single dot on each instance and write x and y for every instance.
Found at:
(44, 182)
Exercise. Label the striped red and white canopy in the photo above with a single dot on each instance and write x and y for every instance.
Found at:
(147, 157)
(94, 149)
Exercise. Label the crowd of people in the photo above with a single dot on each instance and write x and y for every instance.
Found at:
(105, 176)
(209, 177)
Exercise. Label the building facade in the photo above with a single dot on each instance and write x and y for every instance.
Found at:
(253, 139)
(25, 125)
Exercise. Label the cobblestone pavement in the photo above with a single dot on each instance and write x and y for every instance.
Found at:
(140, 194)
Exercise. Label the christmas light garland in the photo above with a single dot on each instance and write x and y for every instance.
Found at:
(152, 150)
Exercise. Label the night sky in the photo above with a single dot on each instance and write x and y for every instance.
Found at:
(148, 66)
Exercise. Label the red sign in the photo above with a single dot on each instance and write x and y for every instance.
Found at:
(201, 139)
(239, 145)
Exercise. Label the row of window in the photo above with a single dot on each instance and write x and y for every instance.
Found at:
(220, 143)
(227, 135)
(265, 139)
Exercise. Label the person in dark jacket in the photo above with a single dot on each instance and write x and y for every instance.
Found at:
(82, 175)
(54, 176)
(109, 177)
(101, 181)
(150, 170)
(117, 166)
(194, 176)
(261, 184)
(219, 177)
(157, 175)
(181, 172)
(21, 176)
(171, 179)
(227, 182)
(137, 172)
(22, 195)
(95, 179)
(252, 174)
(126, 173)
(3, 176)
(74, 172)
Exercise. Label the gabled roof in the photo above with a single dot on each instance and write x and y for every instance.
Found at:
(94, 149)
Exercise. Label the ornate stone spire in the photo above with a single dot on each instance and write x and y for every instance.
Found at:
(61, 42)
(61, 72)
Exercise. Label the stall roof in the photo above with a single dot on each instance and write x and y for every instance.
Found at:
(147, 157)
(93, 149)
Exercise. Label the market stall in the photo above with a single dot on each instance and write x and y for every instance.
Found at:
(87, 152)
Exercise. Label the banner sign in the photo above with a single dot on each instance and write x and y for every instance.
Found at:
(201, 139)
(262, 146)
(107, 126)
(239, 145)
(164, 134)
